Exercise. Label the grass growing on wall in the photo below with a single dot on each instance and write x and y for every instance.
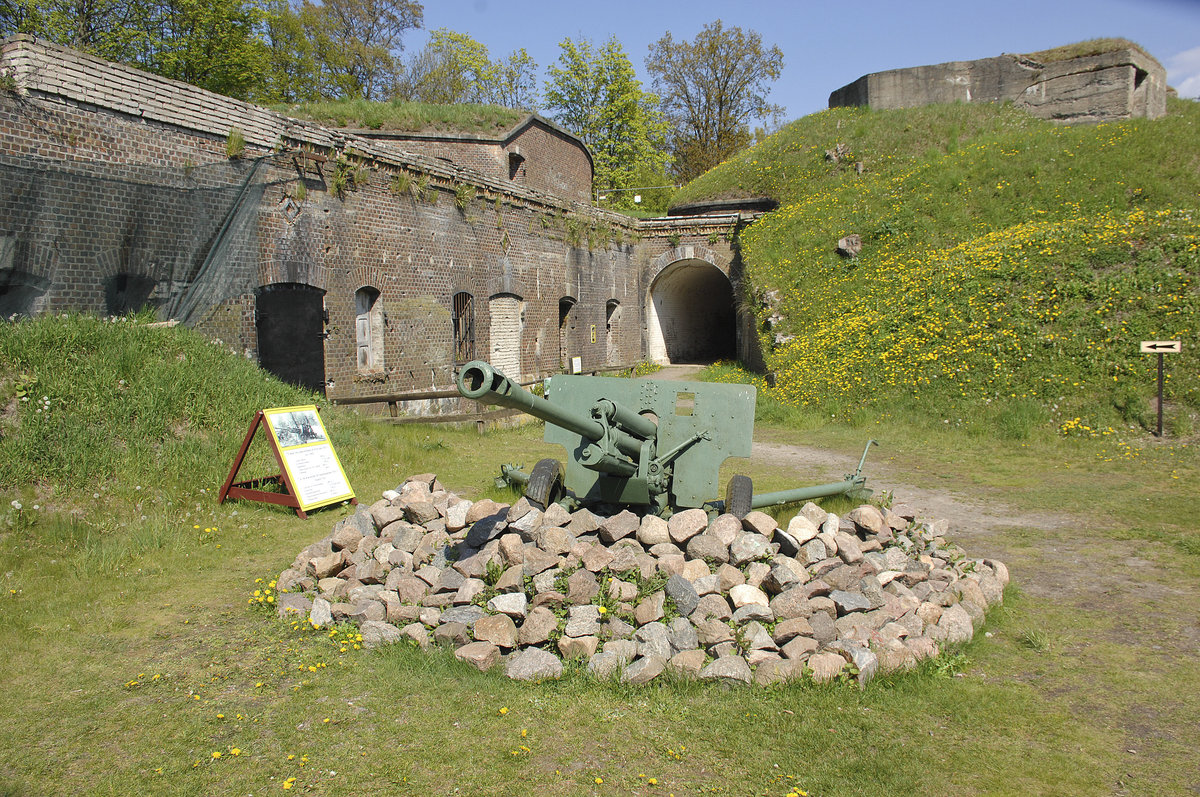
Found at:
(412, 117)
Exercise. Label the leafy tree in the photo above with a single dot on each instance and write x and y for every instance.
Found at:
(358, 42)
(711, 88)
(293, 72)
(118, 30)
(594, 93)
(515, 85)
(454, 68)
(213, 44)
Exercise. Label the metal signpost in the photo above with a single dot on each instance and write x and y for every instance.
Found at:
(1161, 347)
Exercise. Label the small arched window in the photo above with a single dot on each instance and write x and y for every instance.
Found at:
(464, 327)
(368, 326)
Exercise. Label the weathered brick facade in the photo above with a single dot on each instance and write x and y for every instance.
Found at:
(116, 190)
(535, 154)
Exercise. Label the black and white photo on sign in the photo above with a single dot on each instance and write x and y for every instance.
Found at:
(297, 428)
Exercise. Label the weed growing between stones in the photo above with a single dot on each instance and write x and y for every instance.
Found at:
(401, 183)
(463, 194)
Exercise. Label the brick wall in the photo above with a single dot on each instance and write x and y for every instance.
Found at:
(535, 154)
(93, 187)
(554, 162)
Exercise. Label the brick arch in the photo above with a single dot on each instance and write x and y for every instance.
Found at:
(27, 273)
(31, 257)
(138, 260)
(367, 277)
(271, 272)
(690, 252)
(690, 309)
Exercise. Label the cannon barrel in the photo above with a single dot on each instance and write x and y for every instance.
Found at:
(480, 381)
(846, 487)
(853, 483)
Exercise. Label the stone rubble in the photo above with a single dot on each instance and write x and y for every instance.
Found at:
(734, 601)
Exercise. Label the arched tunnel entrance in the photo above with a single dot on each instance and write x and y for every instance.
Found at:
(691, 314)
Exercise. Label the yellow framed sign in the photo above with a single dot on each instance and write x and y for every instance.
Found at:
(312, 475)
(309, 460)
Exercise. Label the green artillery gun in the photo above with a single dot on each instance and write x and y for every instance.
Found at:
(642, 443)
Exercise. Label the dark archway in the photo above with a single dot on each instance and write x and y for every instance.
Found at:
(691, 314)
(291, 333)
(127, 293)
(19, 292)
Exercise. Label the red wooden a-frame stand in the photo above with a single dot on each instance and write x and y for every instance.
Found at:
(245, 490)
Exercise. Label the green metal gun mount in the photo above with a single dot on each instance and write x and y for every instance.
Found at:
(655, 445)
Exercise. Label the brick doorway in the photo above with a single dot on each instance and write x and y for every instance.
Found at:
(291, 333)
(691, 316)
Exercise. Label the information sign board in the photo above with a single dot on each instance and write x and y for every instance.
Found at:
(308, 457)
(311, 474)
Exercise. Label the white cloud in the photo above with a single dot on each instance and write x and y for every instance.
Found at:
(1183, 72)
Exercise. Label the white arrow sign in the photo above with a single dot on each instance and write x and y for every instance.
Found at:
(1161, 346)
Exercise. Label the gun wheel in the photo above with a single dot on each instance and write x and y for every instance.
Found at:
(738, 495)
(545, 485)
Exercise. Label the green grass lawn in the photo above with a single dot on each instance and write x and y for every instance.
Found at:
(134, 651)
(127, 640)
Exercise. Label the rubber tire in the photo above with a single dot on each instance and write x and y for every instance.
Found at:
(545, 485)
(738, 496)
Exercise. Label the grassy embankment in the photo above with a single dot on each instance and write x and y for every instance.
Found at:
(1009, 267)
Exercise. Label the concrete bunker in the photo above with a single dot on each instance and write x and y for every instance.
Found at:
(690, 314)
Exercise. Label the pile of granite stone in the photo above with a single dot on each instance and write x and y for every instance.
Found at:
(636, 597)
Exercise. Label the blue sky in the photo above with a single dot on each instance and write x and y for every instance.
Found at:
(829, 44)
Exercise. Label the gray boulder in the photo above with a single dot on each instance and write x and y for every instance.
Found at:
(644, 670)
(731, 669)
(533, 664)
(684, 595)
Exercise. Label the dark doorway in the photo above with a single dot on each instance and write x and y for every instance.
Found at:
(19, 290)
(291, 333)
(565, 326)
(127, 293)
(691, 318)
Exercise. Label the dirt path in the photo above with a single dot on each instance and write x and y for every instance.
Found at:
(970, 518)
(1118, 615)
(677, 373)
